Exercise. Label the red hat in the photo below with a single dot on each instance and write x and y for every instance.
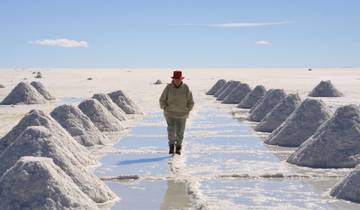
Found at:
(177, 75)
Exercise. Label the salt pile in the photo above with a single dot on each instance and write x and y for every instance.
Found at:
(336, 144)
(227, 90)
(325, 89)
(38, 141)
(158, 82)
(301, 124)
(24, 93)
(124, 102)
(220, 83)
(42, 90)
(266, 104)
(253, 97)
(348, 188)
(37, 183)
(106, 101)
(100, 116)
(38, 75)
(279, 114)
(238, 94)
(78, 125)
(39, 118)
(217, 93)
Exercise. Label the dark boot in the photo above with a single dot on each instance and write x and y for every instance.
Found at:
(178, 150)
(171, 149)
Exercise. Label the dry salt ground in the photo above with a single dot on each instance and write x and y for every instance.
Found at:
(224, 165)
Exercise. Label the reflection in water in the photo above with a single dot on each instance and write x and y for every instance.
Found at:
(176, 196)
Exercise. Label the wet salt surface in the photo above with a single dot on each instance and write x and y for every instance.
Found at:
(248, 155)
(224, 163)
(154, 189)
(69, 100)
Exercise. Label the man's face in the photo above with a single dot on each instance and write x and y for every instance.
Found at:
(177, 81)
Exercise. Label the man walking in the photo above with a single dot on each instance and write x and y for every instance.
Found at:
(177, 101)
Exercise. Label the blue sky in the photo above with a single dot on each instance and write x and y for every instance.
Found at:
(179, 33)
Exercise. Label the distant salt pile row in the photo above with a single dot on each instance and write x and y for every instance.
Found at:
(279, 113)
(115, 110)
(324, 139)
(43, 161)
(25, 93)
(220, 83)
(124, 102)
(266, 104)
(237, 94)
(252, 98)
(232, 85)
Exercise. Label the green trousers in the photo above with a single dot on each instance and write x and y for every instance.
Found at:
(175, 128)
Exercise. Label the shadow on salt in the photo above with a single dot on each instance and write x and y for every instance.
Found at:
(134, 164)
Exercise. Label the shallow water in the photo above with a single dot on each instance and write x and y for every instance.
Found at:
(150, 195)
(144, 154)
(69, 100)
(224, 165)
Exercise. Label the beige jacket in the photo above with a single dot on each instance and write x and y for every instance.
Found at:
(176, 101)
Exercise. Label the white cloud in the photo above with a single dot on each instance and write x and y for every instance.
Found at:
(263, 42)
(247, 24)
(68, 43)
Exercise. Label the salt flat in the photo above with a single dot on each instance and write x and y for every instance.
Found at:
(225, 163)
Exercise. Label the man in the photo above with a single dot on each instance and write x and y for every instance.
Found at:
(177, 101)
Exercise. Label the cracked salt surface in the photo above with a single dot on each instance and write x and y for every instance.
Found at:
(224, 165)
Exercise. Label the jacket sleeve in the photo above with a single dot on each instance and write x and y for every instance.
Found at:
(163, 98)
(190, 100)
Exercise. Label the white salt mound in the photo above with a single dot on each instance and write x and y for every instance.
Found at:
(38, 75)
(100, 116)
(336, 144)
(349, 187)
(217, 93)
(266, 104)
(325, 89)
(23, 93)
(78, 125)
(39, 118)
(42, 90)
(106, 101)
(37, 183)
(279, 113)
(227, 90)
(301, 124)
(237, 94)
(38, 141)
(253, 97)
(124, 102)
(158, 82)
(220, 83)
